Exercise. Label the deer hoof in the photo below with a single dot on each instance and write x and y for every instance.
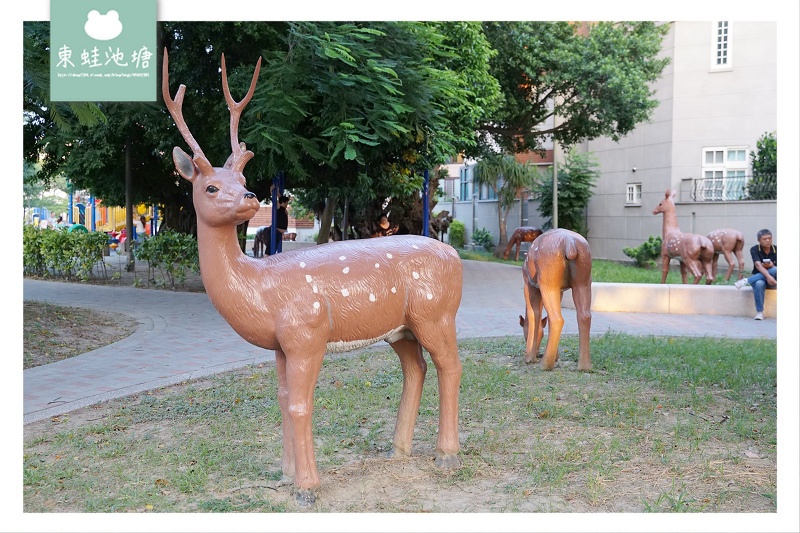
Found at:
(285, 480)
(447, 460)
(396, 453)
(305, 498)
(584, 368)
(532, 359)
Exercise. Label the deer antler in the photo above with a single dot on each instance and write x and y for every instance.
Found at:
(175, 108)
(239, 155)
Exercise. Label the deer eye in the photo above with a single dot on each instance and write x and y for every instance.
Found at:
(211, 189)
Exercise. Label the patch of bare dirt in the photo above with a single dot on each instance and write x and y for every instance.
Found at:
(53, 333)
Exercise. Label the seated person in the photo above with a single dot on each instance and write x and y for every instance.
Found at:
(384, 228)
(765, 270)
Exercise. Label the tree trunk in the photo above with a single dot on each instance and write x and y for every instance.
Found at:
(326, 220)
(131, 265)
(241, 234)
(501, 222)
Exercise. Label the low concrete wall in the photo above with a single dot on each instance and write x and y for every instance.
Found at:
(676, 299)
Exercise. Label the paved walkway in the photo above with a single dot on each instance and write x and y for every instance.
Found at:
(181, 336)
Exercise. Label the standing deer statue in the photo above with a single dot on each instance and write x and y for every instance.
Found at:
(520, 235)
(729, 242)
(695, 252)
(405, 290)
(558, 260)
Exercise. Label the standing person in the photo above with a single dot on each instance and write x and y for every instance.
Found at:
(765, 270)
(281, 225)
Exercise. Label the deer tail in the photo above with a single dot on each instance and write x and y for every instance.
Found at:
(570, 250)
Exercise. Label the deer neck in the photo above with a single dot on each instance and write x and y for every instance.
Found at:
(225, 270)
(670, 223)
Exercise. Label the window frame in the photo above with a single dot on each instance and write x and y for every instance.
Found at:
(726, 43)
(720, 174)
(631, 199)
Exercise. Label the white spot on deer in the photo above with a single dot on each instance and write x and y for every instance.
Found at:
(372, 298)
(415, 274)
(316, 305)
(302, 264)
(394, 289)
(345, 292)
(414, 246)
(430, 296)
(377, 265)
(389, 256)
(346, 270)
(315, 289)
(342, 257)
(308, 278)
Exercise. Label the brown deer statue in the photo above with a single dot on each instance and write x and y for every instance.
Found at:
(260, 246)
(558, 260)
(405, 290)
(520, 235)
(695, 252)
(729, 242)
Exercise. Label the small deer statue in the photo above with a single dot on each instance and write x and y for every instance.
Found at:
(558, 260)
(729, 242)
(405, 290)
(520, 235)
(695, 252)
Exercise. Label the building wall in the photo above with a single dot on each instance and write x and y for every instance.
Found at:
(699, 107)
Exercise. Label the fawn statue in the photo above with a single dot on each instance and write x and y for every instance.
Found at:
(520, 235)
(340, 296)
(729, 242)
(695, 252)
(558, 260)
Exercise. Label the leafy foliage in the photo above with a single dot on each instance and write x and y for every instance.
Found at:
(61, 253)
(594, 78)
(764, 183)
(456, 234)
(173, 254)
(576, 179)
(646, 253)
(482, 237)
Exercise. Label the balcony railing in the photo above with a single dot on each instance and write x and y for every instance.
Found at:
(762, 187)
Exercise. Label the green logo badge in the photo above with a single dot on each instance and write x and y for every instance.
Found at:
(103, 50)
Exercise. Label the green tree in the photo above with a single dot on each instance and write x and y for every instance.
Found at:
(360, 110)
(507, 177)
(764, 183)
(570, 81)
(576, 179)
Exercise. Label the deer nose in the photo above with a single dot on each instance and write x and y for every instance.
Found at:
(249, 195)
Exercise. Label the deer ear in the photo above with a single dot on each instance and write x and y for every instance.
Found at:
(666, 194)
(184, 164)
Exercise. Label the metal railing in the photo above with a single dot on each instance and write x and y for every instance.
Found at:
(762, 187)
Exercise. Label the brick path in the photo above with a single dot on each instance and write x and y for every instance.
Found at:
(181, 336)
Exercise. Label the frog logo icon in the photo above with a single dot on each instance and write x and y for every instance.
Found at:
(103, 27)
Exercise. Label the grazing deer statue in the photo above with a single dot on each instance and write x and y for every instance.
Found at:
(520, 235)
(695, 252)
(729, 242)
(405, 290)
(558, 260)
(260, 246)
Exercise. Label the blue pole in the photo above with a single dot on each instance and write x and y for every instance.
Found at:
(69, 213)
(425, 204)
(281, 184)
(92, 212)
(154, 222)
(273, 230)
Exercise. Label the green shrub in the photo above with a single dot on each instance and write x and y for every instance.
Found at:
(456, 232)
(71, 255)
(482, 237)
(170, 253)
(646, 253)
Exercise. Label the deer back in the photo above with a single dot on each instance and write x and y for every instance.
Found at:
(558, 259)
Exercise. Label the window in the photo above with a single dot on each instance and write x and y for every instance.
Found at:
(634, 194)
(721, 56)
(464, 184)
(723, 174)
(487, 193)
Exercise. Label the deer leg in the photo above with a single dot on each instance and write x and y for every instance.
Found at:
(414, 369)
(740, 260)
(533, 299)
(552, 302)
(301, 378)
(440, 341)
(714, 264)
(519, 245)
(287, 457)
(582, 296)
(665, 268)
(729, 259)
(683, 272)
